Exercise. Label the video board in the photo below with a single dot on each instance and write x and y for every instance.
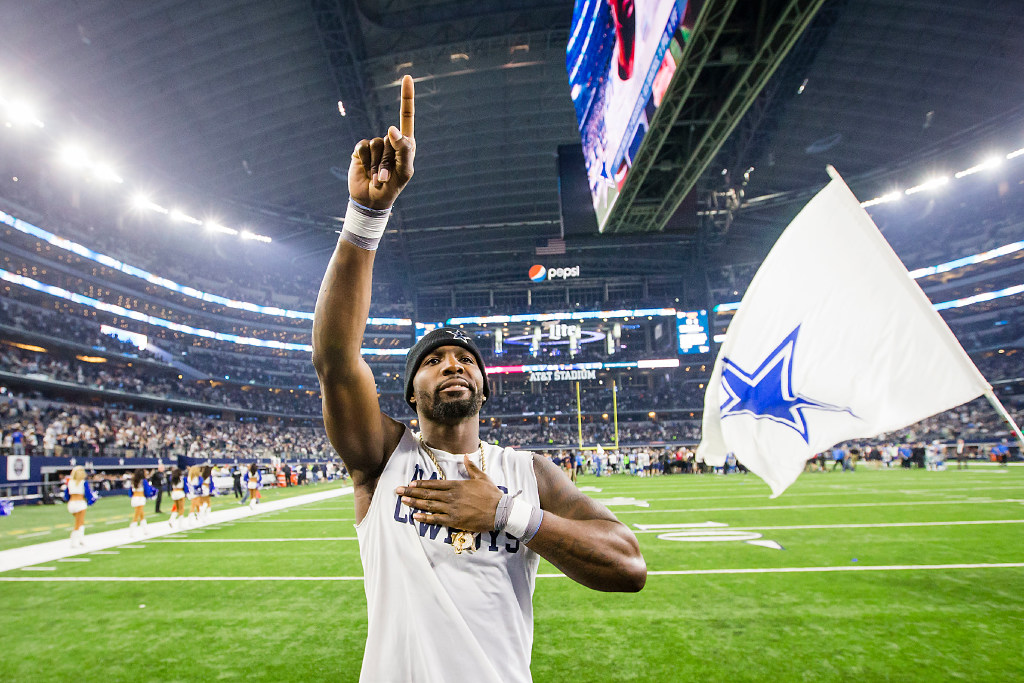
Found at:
(620, 59)
(693, 331)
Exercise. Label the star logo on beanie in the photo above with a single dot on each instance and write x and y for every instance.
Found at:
(459, 334)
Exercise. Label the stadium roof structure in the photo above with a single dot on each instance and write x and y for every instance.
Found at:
(236, 103)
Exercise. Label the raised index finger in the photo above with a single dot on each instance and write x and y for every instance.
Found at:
(408, 107)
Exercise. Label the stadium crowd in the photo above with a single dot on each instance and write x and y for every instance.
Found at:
(283, 384)
(51, 428)
(58, 428)
(239, 269)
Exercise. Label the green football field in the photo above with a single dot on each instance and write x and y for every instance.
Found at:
(869, 576)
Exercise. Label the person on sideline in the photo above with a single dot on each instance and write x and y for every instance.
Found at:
(177, 481)
(253, 482)
(450, 530)
(207, 490)
(79, 496)
(156, 480)
(141, 490)
(194, 492)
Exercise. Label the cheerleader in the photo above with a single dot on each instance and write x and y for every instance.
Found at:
(177, 497)
(253, 480)
(193, 490)
(141, 490)
(79, 497)
(206, 491)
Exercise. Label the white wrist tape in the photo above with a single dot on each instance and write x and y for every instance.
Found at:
(364, 226)
(523, 520)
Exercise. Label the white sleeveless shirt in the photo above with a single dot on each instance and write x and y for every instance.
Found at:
(434, 615)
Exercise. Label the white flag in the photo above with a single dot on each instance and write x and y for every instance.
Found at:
(832, 341)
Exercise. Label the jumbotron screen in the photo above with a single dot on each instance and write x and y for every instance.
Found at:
(693, 330)
(620, 58)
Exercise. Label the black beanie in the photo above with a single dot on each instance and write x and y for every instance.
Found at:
(443, 336)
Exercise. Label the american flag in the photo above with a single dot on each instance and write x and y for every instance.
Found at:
(555, 247)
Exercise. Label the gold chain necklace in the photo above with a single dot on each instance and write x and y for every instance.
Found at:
(461, 540)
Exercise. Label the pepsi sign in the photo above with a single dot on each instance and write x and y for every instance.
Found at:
(539, 273)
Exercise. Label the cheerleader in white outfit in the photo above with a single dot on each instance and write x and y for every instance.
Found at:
(193, 489)
(79, 497)
(206, 491)
(253, 481)
(177, 497)
(141, 490)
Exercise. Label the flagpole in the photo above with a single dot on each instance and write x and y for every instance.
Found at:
(579, 414)
(615, 414)
(998, 405)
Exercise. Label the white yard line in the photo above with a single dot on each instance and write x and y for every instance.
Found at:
(287, 520)
(143, 579)
(964, 490)
(825, 505)
(681, 572)
(18, 558)
(661, 528)
(255, 540)
(37, 533)
(809, 480)
(844, 568)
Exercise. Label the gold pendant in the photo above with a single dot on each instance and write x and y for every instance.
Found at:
(463, 541)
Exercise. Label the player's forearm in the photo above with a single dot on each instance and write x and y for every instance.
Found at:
(598, 553)
(342, 307)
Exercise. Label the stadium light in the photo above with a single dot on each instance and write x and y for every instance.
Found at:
(21, 114)
(929, 184)
(217, 227)
(178, 215)
(893, 196)
(106, 173)
(142, 202)
(74, 156)
(249, 235)
(991, 162)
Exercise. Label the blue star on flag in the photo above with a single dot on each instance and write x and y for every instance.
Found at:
(767, 392)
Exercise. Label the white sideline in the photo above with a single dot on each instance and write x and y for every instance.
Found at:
(682, 572)
(953, 501)
(799, 570)
(16, 558)
(258, 540)
(662, 528)
(651, 529)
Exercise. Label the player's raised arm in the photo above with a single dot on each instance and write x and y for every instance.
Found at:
(380, 168)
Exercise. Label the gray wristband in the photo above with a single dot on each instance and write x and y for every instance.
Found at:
(536, 517)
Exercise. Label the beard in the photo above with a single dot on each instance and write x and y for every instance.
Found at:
(450, 411)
